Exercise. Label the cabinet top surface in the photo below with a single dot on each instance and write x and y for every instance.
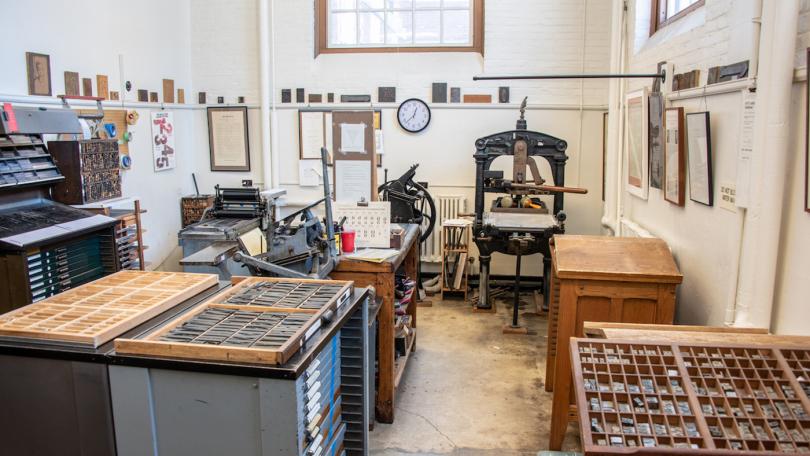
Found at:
(614, 258)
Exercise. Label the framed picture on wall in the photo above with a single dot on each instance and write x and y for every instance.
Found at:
(228, 138)
(604, 150)
(807, 141)
(699, 140)
(39, 73)
(635, 140)
(674, 172)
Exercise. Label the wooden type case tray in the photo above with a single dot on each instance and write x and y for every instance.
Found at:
(259, 320)
(97, 312)
(656, 398)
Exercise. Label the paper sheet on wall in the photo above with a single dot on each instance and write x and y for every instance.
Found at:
(352, 180)
(378, 142)
(312, 135)
(372, 223)
(746, 148)
(352, 138)
(327, 121)
(310, 173)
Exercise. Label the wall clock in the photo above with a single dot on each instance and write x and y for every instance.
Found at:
(413, 115)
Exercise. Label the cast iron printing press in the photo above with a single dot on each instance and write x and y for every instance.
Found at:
(518, 223)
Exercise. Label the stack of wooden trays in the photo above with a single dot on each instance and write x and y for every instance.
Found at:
(97, 312)
(259, 320)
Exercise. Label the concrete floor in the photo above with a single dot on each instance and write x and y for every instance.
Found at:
(470, 389)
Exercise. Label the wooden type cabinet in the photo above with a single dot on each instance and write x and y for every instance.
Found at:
(609, 279)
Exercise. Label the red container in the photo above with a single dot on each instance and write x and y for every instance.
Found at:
(347, 240)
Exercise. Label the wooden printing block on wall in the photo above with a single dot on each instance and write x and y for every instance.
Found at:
(87, 87)
(72, 84)
(102, 86)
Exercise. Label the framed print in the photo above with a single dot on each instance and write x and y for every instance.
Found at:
(807, 141)
(656, 130)
(698, 135)
(636, 149)
(228, 138)
(39, 73)
(674, 173)
(311, 134)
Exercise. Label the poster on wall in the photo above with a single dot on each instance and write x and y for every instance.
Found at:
(674, 156)
(636, 144)
(163, 154)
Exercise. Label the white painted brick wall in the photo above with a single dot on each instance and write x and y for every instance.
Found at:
(225, 49)
(543, 36)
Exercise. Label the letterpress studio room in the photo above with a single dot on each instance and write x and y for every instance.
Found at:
(404, 227)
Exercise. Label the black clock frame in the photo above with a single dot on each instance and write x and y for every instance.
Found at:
(430, 114)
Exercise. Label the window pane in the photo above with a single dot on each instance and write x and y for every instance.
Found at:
(456, 3)
(427, 27)
(372, 28)
(341, 4)
(427, 3)
(456, 27)
(343, 28)
(371, 4)
(397, 4)
(676, 6)
(398, 27)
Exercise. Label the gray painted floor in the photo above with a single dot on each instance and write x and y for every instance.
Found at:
(469, 389)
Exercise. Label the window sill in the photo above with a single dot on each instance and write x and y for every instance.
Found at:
(398, 50)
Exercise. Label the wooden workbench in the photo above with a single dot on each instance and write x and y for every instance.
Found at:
(381, 277)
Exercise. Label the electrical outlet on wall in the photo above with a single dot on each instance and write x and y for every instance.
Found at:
(247, 182)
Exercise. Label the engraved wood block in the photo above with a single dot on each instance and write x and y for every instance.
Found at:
(153, 97)
(330, 97)
(286, 95)
(143, 95)
(299, 95)
(477, 98)
(387, 94)
(87, 87)
(168, 90)
(181, 96)
(72, 83)
(355, 98)
(439, 92)
(114, 96)
(220, 100)
(102, 86)
(201, 98)
(315, 98)
(455, 95)
(503, 94)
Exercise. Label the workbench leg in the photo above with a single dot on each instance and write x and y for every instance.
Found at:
(385, 344)
(562, 371)
(483, 283)
(546, 282)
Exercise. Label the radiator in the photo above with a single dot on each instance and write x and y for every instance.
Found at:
(632, 229)
(447, 207)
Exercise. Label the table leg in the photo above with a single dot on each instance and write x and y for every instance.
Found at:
(385, 319)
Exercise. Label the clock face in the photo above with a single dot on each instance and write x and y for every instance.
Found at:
(413, 115)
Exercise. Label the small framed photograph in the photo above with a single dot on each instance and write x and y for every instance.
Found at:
(39, 73)
(699, 139)
(228, 138)
(636, 148)
(674, 160)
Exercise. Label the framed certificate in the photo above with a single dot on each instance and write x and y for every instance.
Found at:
(228, 138)
(636, 149)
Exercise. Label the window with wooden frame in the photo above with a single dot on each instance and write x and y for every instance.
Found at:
(358, 26)
(665, 12)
